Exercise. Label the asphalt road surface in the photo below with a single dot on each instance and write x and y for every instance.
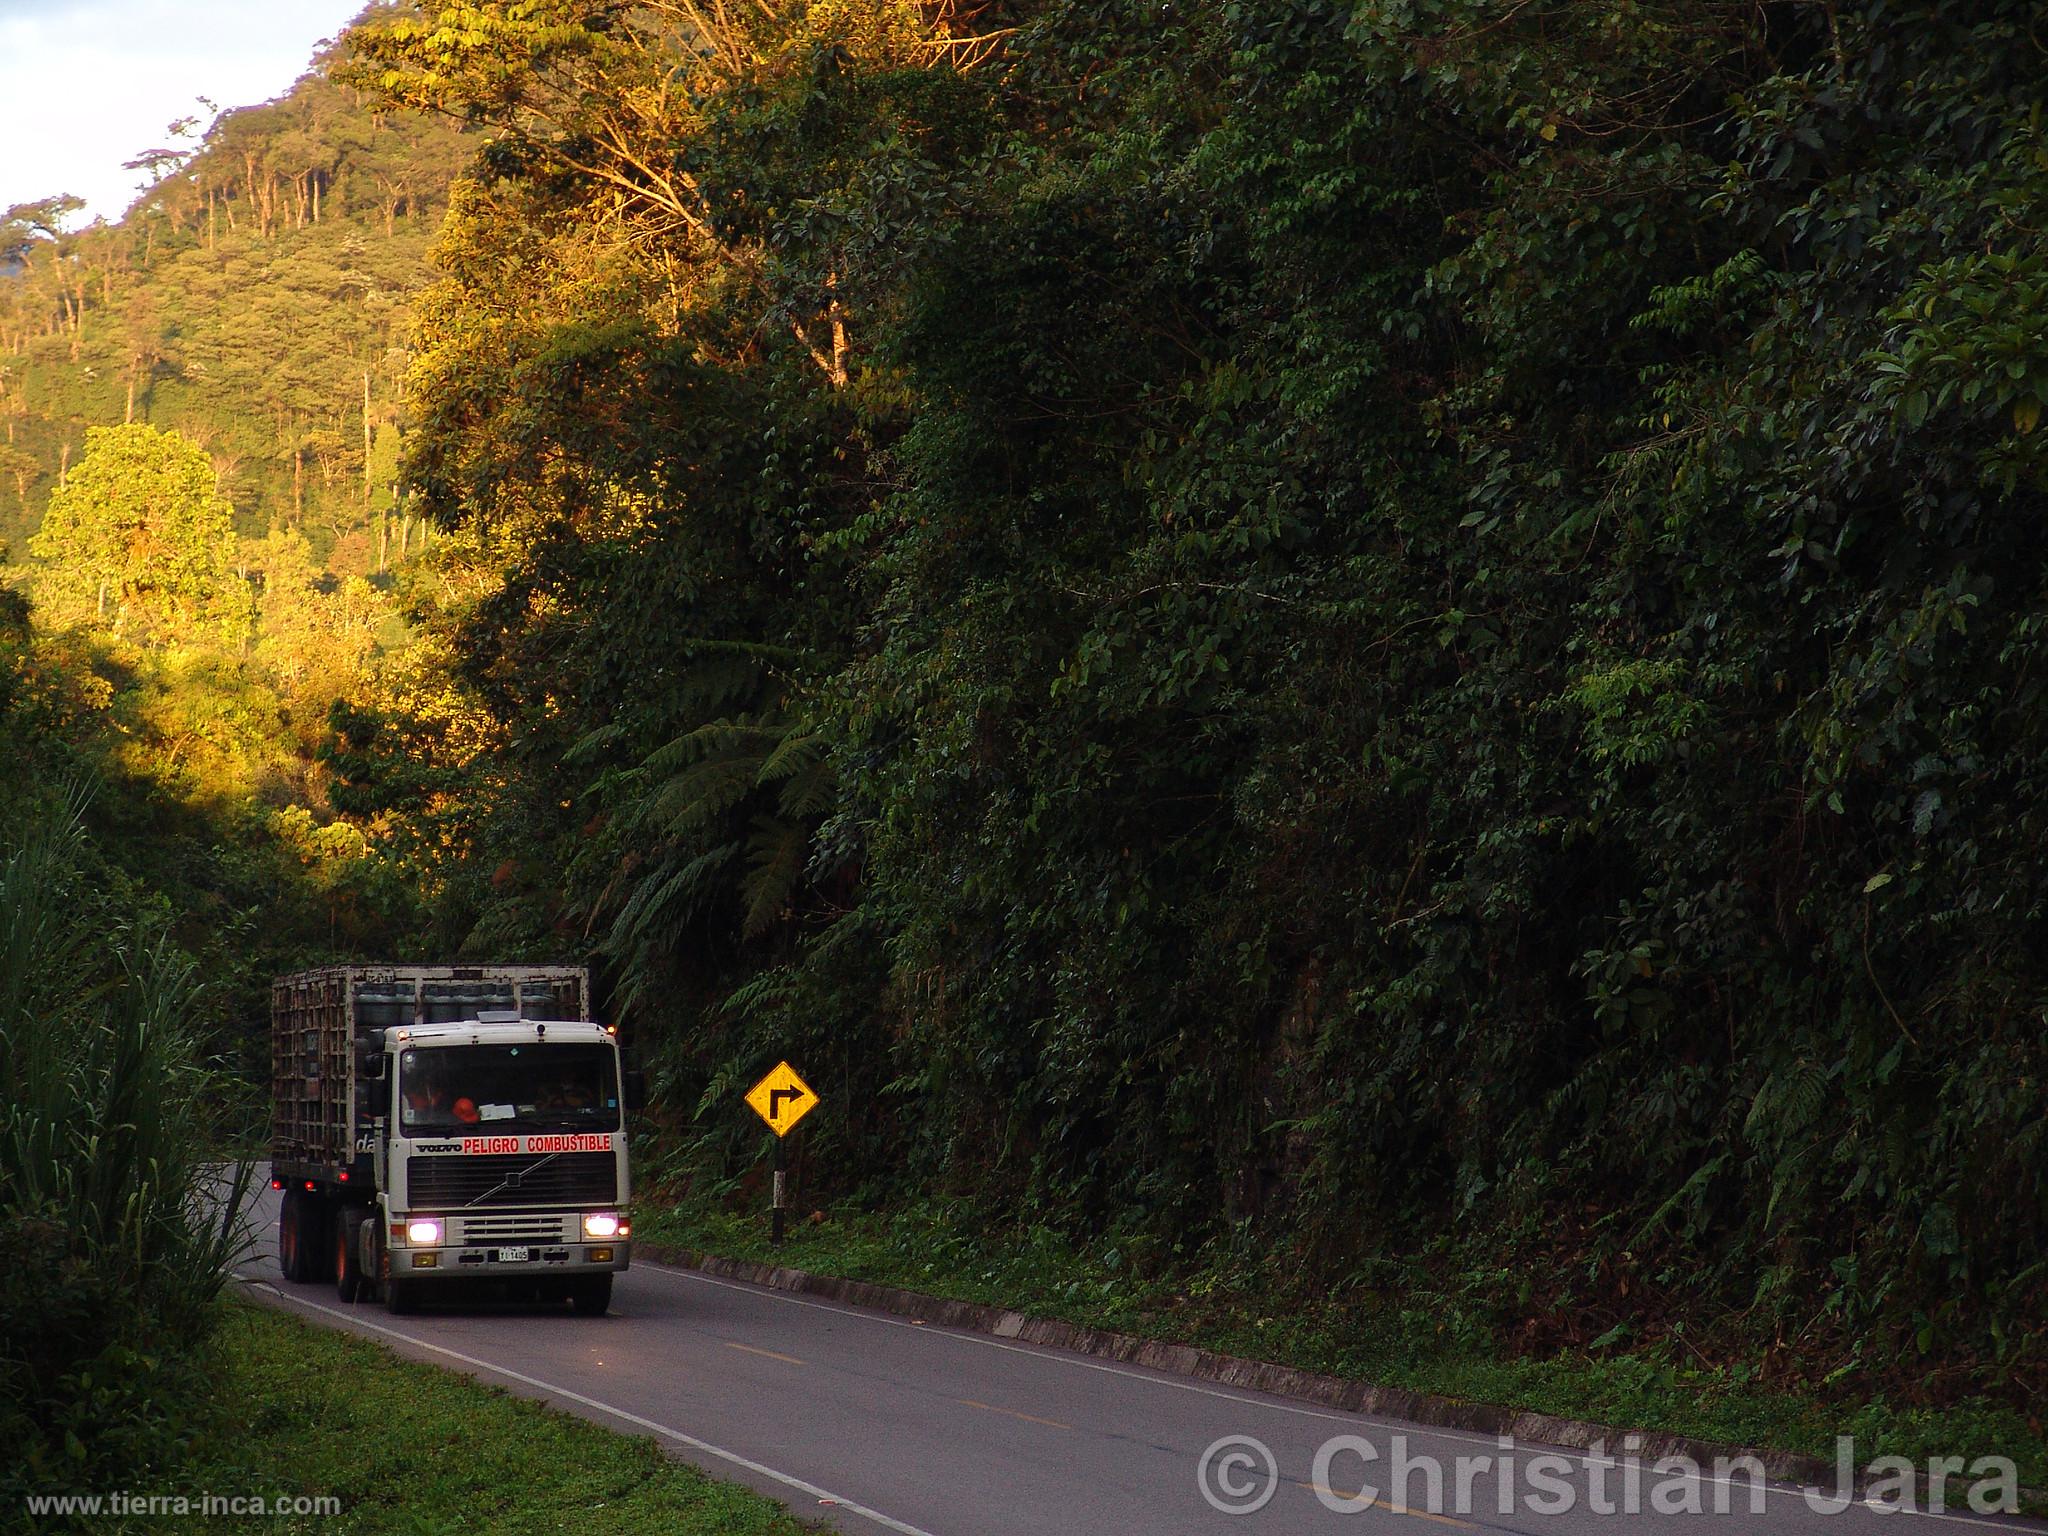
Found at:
(868, 1423)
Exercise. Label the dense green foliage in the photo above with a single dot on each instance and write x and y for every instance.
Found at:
(1405, 635)
(1416, 625)
(201, 407)
(115, 1229)
(255, 299)
(208, 570)
(140, 535)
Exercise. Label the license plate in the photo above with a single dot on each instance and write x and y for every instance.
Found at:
(514, 1255)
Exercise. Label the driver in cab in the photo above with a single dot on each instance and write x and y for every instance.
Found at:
(426, 1099)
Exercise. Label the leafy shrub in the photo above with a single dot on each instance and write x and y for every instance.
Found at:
(115, 1228)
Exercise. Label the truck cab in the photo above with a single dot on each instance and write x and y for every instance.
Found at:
(499, 1153)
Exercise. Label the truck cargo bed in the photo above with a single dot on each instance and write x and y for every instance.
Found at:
(318, 1130)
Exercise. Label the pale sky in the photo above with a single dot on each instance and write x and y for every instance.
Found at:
(86, 84)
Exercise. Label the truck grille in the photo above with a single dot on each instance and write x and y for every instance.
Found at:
(512, 1229)
(569, 1178)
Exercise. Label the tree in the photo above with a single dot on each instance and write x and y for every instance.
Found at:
(21, 469)
(138, 532)
(313, 642)
(27, 225)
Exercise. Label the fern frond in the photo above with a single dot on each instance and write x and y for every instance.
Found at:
(713, 737)
(591, 743)
(811, 792)
(697, 794)
(792, 753)
(668, 897)
(713, 685)
(775, 853)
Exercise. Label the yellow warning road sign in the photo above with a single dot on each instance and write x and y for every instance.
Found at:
(782, 1098)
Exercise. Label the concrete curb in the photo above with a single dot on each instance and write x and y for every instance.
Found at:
(1420, 1408)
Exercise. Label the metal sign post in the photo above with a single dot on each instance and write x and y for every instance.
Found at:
(780, 1099)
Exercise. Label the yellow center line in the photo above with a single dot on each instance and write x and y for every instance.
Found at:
(769, 1353)
(1419, 1514)
(1028, 1418)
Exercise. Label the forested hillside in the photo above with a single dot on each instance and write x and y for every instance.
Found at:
(1411, 628)
(1409, 636)
(202, 549)
(202, 409)
(254, 299)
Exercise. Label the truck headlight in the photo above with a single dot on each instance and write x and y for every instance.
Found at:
(424, 1231)
(601, 1224)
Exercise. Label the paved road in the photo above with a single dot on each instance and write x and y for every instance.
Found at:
(875, 1423)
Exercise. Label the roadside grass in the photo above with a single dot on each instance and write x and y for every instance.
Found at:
(1395, 1337)
(414, 1450)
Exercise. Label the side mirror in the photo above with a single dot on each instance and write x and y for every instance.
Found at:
(636, 1090)
(370, 1059)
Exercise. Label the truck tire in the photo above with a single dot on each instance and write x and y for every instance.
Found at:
(591, 1296)
(315, 1228)
(291, 1251)
(348, 1269)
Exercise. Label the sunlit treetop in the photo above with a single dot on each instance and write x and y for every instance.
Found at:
(138, 538)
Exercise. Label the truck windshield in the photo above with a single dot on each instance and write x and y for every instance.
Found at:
(509, 1087)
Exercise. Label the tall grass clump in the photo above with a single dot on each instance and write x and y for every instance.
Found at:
(116, 1226)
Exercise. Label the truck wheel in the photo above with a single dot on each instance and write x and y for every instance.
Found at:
(348, 1269)
(591, 1297)
(290, 1253)
(401, 1297)
(313, 1228)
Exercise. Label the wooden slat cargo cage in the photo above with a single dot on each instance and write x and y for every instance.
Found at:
(317, 1016)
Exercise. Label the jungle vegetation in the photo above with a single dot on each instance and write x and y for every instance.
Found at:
(1409, 632)
(201, 408)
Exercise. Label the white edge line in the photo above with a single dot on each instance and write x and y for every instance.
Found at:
(1423, 1431)
(705, 1446)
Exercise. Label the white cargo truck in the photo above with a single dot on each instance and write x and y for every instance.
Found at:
(433, 1124)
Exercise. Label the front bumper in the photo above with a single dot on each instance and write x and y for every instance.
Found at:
(522, 1261)
(509, 1245)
